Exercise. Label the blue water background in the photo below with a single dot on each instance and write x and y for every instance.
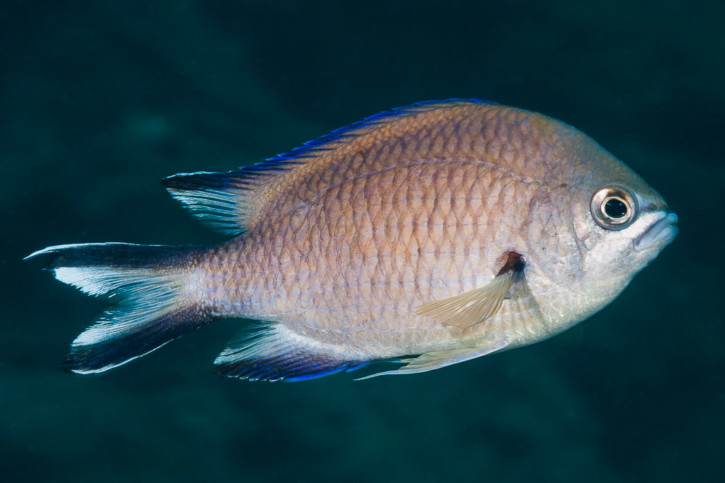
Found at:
(99, 100)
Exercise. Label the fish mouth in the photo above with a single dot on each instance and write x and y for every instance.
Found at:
(660, 233)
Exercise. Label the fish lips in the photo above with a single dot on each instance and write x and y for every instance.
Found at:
(659, 234)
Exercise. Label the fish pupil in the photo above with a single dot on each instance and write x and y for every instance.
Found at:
(615, 208)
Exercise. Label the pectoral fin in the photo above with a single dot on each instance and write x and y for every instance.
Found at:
(477, 305)
(435, 360)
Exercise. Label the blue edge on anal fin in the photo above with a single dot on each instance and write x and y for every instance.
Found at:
(287, 368)
(274, 353)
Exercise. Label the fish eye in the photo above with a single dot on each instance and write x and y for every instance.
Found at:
(613, 207)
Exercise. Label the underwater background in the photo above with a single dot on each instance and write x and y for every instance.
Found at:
(100, 100)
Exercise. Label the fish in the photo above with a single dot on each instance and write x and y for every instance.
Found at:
(415, 239)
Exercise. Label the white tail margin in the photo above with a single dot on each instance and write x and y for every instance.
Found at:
(148, 286)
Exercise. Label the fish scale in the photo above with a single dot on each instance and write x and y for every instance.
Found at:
(427, 235)
(441, 242)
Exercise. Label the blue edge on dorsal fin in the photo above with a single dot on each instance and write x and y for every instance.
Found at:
(216, 197)
(310, 148)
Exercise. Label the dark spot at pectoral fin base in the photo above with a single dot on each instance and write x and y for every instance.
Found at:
(274, 353)
(477, 305)
(430, 361)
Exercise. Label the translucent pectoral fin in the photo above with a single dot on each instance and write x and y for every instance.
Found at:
(435, 360)
(472, 307)
(475, 306)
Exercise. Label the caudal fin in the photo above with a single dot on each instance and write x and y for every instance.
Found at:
(149, 288)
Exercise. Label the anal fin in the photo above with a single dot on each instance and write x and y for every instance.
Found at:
(276, 353)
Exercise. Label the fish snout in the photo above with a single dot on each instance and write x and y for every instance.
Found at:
(660, 233)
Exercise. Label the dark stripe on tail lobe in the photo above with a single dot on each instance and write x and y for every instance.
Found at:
(149, 285)
(132, 344)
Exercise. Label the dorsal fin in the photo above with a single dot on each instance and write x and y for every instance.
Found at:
(232, 201)
(224, 201)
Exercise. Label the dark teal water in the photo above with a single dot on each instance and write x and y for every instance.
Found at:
(99, 100)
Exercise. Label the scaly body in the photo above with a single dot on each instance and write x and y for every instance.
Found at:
(377, 242)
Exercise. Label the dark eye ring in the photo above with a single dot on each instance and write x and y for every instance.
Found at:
(613, 207)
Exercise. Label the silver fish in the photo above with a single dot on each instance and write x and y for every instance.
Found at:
(427, 236)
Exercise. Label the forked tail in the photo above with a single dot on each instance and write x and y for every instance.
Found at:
(151, 288)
